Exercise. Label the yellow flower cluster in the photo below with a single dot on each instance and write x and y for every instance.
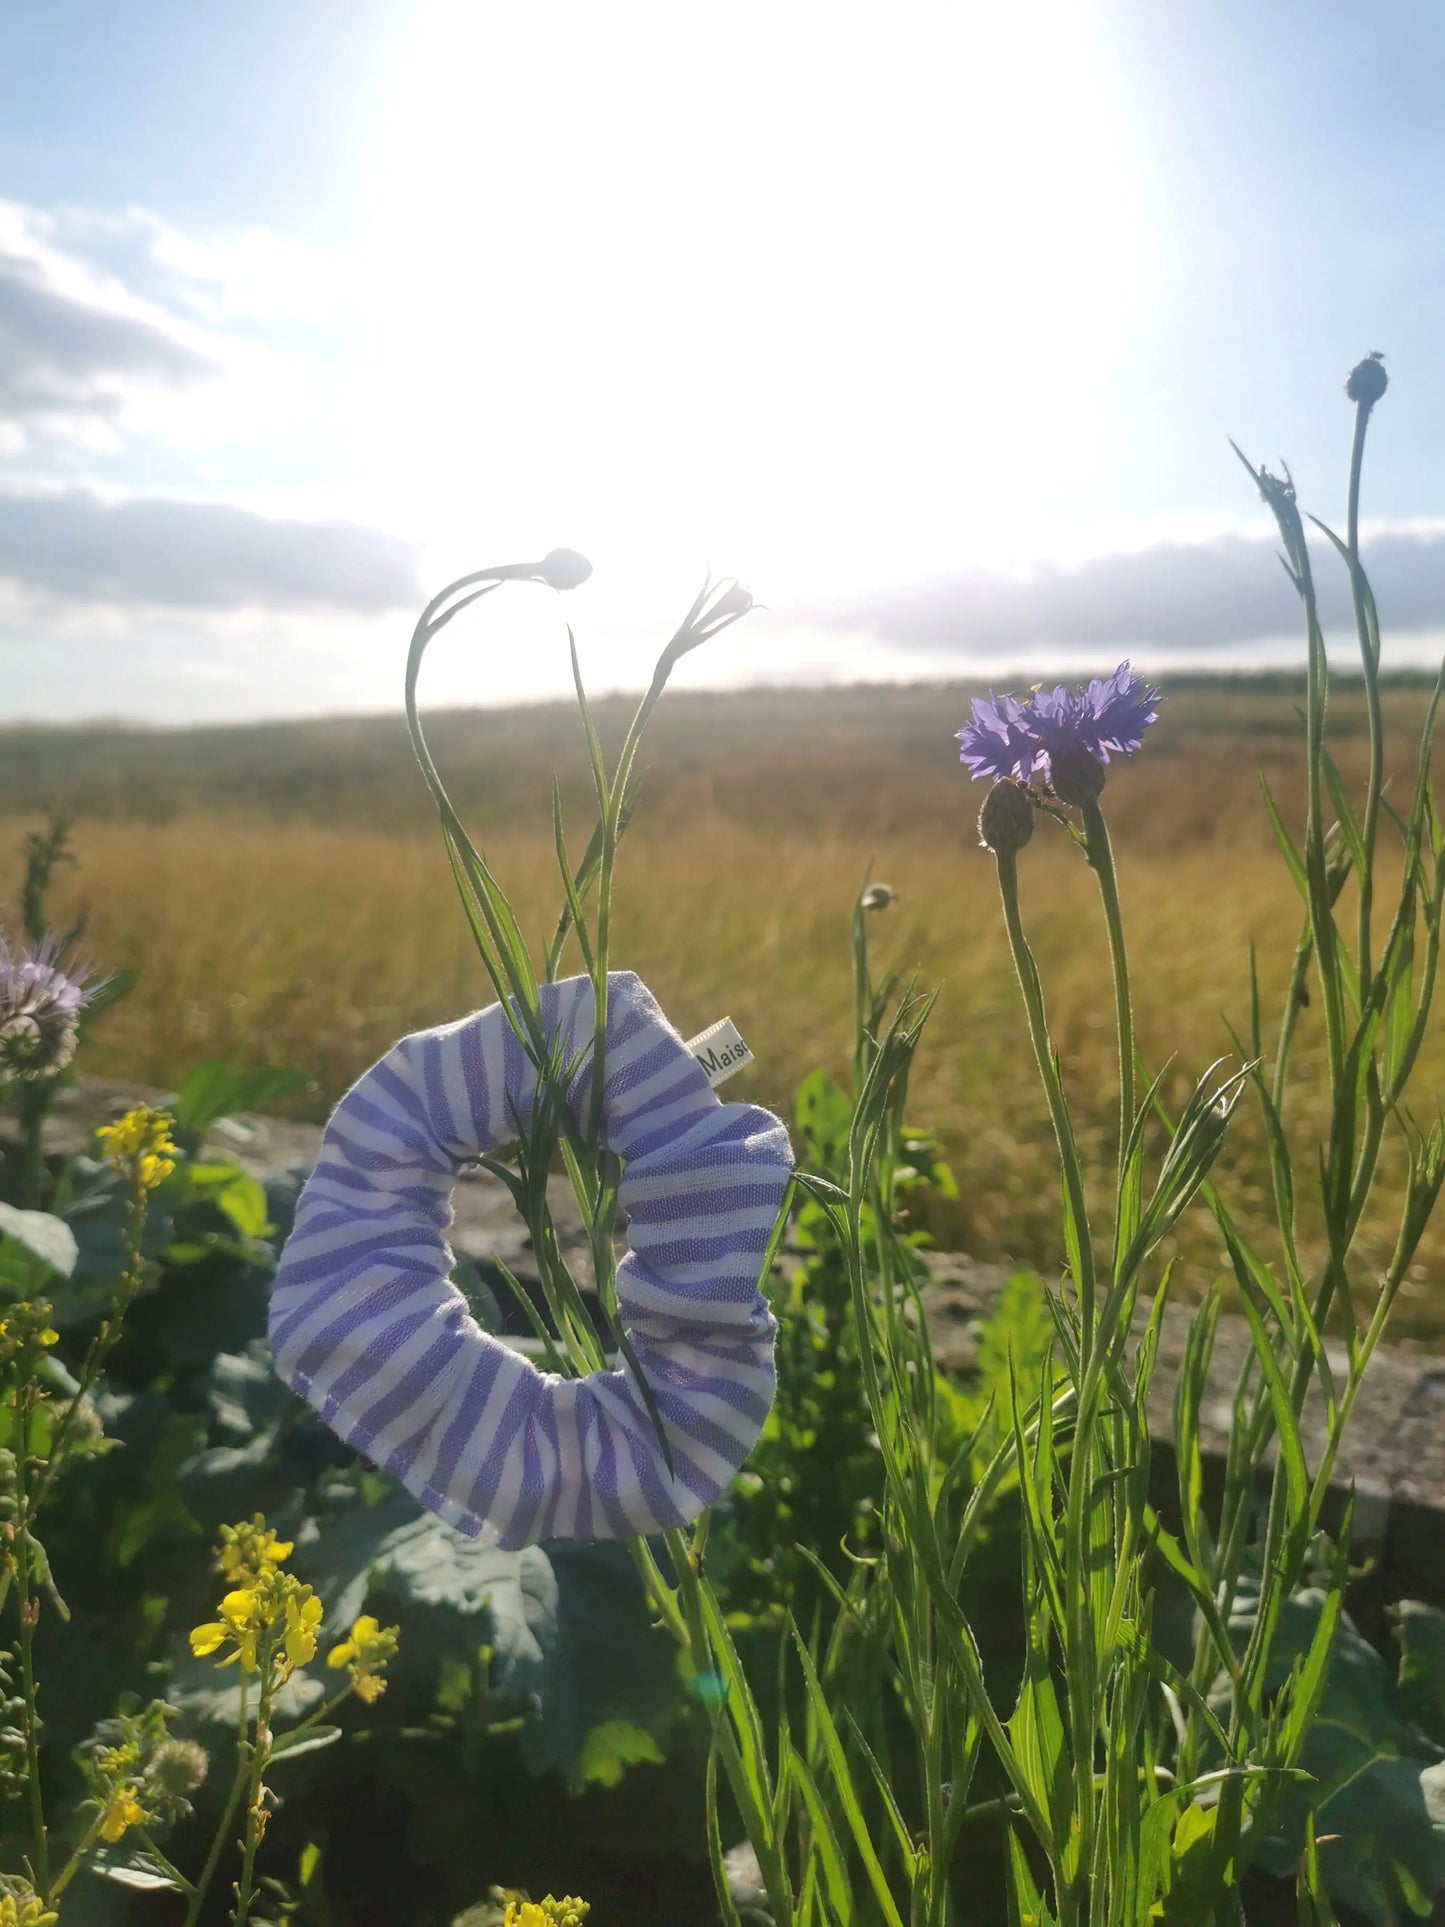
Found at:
(27, 1326)
(365, 1654)
(269, 1620)
(23, 1909)
(272, 1618)
(139, 1146)
(567, 1912)
(250, 1549)
(122, 1810)
(116, 1769)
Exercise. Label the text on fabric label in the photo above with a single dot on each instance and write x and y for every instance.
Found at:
(720, 1050)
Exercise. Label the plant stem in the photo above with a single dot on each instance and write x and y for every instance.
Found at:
(1077, 1229)
(255, 1818)
(29, 1613)
(1101, 856)
(223, 1825)
(34, 1103)
(163, 1861)
(1370, 665)
(77, 1859)
(101, 1348)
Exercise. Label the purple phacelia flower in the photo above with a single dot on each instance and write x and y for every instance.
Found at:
(40, 1006)
(1023, 739)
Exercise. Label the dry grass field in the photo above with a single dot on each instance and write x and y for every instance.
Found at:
(284, 894)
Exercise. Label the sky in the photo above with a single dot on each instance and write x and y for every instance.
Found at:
(931, 322)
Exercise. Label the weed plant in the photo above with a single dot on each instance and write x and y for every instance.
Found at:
(948, 1654)
(1134, 1785)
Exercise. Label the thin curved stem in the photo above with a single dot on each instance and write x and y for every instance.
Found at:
(1370, 664)
(77, 1859)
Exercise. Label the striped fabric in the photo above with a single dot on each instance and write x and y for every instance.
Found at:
(366, 1325)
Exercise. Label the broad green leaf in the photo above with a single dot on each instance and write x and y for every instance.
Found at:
(41, 1236)
(569, 1626)
(214, 1090)
(1420, 1632)
(236, 1193)
(611, 1748)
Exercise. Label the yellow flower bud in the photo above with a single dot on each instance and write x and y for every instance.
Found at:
(139, 1146)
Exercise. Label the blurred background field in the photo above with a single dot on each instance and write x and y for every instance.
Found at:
(283, 892)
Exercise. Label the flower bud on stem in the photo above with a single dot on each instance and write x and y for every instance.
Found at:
(1006, 821)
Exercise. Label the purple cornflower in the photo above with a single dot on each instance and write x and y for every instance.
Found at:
(1002, 739)
(40, 1006)
(1021, 739)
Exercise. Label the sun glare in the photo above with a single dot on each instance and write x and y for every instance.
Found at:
(818, 301)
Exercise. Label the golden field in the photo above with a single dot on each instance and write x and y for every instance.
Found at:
(283, 891)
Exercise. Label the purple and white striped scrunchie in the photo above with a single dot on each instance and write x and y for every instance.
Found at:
(366, 1325)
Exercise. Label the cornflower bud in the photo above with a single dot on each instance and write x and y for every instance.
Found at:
(736, 600)
(564, 569)
(1006, 821)
(1076, 774)
(1368, 380)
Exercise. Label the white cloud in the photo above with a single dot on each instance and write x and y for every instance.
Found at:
(74, 546)
(249, 274)
(1176, 596)
(75, 345)
(165, 354)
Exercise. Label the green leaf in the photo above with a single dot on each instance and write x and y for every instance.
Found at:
(234, 1192)
(569, 1627)
(41, 1236)
(843, 1786)
(1376, 1780)
(1294, 863)
(825, 1852)
(1026, 1906)
(1036, 1730)
(1311, 1896)
(215, 1090)
(290, 1746)
(611, 1748)
(824, 1118)
(146, 1880)
(1420, 1630)
(210, 1695)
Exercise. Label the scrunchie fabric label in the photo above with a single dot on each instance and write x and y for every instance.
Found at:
(367, 1327)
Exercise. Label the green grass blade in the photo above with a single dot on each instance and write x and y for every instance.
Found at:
(843, 1786)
